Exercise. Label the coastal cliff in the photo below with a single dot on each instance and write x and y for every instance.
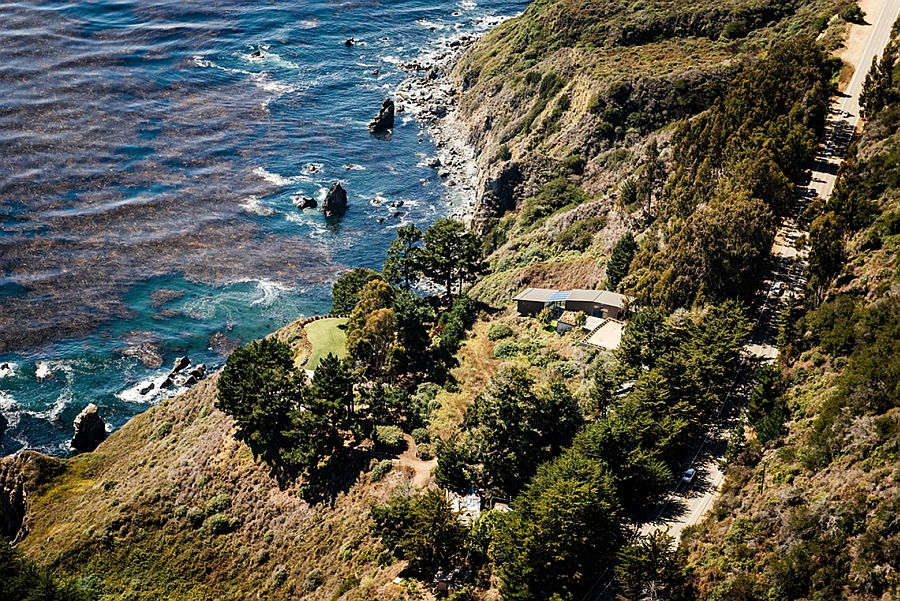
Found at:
(568, 110)
(595, 79)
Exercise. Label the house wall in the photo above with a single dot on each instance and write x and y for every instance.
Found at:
(529, 307)
(586, 307)
(609, 311)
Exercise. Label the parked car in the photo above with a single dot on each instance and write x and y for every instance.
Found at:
(845, 114)
(688, 476)
(777, 289)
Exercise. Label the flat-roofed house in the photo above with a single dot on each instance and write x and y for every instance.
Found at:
(532, 301)
(593, 303)
(609, 304)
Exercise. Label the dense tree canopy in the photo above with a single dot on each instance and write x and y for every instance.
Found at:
(401, 266)
(511, 428)
(562, 533)
(451, 255)
(345, 291)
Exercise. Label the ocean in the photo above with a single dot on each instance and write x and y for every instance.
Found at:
(151, 152)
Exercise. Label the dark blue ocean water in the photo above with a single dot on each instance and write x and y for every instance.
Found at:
(148, 162)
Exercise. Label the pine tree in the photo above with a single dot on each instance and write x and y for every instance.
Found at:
(620, 260)
(401, 267)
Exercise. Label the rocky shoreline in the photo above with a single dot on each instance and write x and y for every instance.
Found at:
(430, 95)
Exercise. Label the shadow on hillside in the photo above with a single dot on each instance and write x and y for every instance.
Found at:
(338, 476)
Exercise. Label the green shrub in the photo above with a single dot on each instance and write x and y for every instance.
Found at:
(269, 537)
(545, 316)
(426, 451)
(853, 14)
(279, 576)
(390, 437)
(313, 581)
(421, 435)
(735, 30)
(218, 504)
(262, 556)
(161, 431)
(218, 523)
(574, 164)
(506, 349)
(504, 154)
(380, 469)
(195, 516)
(499, 330)
(567, 369)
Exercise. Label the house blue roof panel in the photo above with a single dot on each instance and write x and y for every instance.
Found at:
(559, 296)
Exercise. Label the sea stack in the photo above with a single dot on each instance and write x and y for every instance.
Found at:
(335, 203)
(384, 120)
(89, 429)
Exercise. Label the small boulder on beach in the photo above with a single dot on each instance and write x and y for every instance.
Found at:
(335, 203)
(384, 120)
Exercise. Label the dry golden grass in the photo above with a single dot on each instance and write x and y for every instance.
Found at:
(125, 514)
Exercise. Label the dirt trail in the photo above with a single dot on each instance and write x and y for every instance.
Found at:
(421, 468)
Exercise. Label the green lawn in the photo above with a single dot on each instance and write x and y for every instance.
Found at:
(326, 336)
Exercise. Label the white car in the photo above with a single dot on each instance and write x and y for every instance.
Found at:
(845, 114)
(777, 289)
(688, 476)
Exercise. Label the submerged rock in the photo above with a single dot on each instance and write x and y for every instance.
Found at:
(349, 42)
(305, 202)
(335, 203)
(147, 389)
(384, 120)
(89, 429)
(42, 372)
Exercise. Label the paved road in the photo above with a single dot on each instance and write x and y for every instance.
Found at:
(689, 502)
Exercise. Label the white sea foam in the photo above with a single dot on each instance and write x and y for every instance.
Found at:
(8, 369)
(265, 82)
(254, 205)
(280, 180)
(43, 371)
(270, 292)
(133, 394)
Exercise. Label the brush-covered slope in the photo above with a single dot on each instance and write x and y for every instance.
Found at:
(564, 101)
(171, 506)
(810, 507)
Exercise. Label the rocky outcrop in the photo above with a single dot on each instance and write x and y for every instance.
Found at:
(305, 202)
(498, 194)
(384, 120)
(335, 203)
(180, 363)
(90, 430)
(20, 475)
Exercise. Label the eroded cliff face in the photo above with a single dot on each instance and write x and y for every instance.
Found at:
(20, 476)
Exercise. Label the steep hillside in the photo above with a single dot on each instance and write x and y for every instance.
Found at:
(172, 506)
(809, 509)
(573, 104)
